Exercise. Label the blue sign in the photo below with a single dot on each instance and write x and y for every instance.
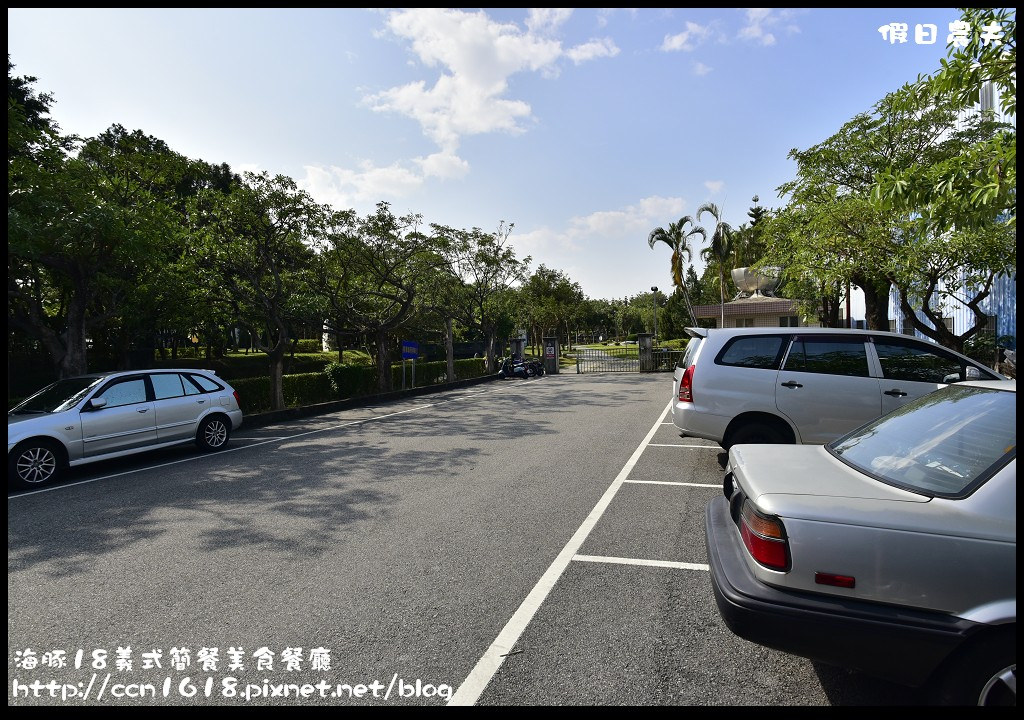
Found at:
(410, 350)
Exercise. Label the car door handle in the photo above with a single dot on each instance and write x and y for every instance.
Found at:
(142, 410)
(791, 384)
(895, 393)
(200, 401)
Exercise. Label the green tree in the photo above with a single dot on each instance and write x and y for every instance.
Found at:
(554, 301)
(678, 237)
(84, 230)
(486, 268)
(844, 232)
(252, 250)
(375, 270)
(720, 248)
(978, 184)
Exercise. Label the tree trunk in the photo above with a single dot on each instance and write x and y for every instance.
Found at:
(449, 348)
(876, 300)
(276, 355)
(489, 351)
(384, 383)
(74, 362)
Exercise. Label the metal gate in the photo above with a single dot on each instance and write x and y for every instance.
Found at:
(624, 359)
(613, 358)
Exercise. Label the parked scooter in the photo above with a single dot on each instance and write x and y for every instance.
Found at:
(516, 367)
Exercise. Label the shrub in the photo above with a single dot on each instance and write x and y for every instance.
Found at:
(338, 382)
(351, 380)
(253, 393)
(299, 389)
(309, 346)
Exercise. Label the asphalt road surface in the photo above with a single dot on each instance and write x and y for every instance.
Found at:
(517, 543)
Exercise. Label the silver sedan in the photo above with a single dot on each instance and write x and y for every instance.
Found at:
(95, 417)
(892, 550)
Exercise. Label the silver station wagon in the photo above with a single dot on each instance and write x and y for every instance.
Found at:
(803, 385)
(891, 550)
(107, 415)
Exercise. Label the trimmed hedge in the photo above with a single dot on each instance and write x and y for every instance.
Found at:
(309, 346)
(339, 382)
(300, 389)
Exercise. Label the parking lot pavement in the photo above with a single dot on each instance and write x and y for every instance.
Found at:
(560, 516)
(635, 602)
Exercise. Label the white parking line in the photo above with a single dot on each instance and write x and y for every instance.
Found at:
(710, 447)
(666, 482)
(475, 683)
(259, 442)
(638, 561)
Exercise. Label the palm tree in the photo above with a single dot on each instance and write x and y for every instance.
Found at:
(677, 237)
(720, 247)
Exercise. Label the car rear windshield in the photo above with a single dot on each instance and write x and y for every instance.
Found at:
(944, 444)
(691, 350)
(58, 397)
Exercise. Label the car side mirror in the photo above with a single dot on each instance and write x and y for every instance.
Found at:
(96, 403)
(970, 373)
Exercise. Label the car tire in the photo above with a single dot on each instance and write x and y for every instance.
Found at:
(214, 433)
(35, 463)
(756, 432)
(985, 673)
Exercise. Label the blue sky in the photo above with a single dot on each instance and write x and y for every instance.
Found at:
(586, 128)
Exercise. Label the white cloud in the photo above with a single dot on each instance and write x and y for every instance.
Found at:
(343, 188)
(444, 165)
(601, 47)
(583, 245)
(759, 20)
(714, 186)
(541, 20)
(701, 69)
(476, 56)
(603, 226)
(688, 39)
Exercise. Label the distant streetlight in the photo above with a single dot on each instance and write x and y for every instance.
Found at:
(654, 297)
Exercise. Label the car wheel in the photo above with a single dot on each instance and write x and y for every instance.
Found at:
(35, 463)
(759, 433)
(984, 674)
(214, 432)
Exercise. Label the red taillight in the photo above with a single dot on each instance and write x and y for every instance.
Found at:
(238, 400)
(764, 537)
(686, 385)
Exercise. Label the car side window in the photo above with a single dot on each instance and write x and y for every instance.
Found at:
(831, 356)
(752, 351)
(908, 361)
(124, 392)
(190, 387)
(205, 383)
(167, 385)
